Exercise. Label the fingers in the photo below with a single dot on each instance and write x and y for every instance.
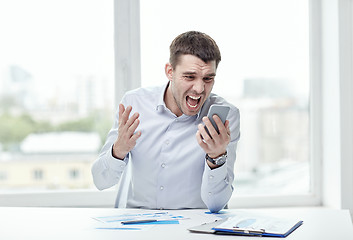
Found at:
(128, 126)
(127, 134)
(213, 143)
(201, 141)
(121, 110)
(124, 114)
(132, 124)
(134, 137)
(224, 131)
(226, 125)
(203, 133)
(212, 131)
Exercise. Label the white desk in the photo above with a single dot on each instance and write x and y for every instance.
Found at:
(77, 223)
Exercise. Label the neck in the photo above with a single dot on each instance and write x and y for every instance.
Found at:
(170, 101)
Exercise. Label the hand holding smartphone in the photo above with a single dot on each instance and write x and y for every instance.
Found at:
(219, 110)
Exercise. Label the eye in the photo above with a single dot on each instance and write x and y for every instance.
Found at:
(189, 77)
(208, 79)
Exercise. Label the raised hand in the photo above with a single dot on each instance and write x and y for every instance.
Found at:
(127, 136)
(216, 144)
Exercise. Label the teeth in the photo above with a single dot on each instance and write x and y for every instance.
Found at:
(195, 98)
(193, 106)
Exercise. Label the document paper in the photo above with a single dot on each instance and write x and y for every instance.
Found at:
(247, 223)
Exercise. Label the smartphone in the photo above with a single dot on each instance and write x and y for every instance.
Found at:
(219, 110)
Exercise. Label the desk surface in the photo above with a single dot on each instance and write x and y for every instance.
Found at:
(77, 223)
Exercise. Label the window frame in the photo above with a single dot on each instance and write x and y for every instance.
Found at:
(127, 76)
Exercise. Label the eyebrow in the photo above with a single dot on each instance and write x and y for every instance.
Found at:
(194, 73)
(189, 73)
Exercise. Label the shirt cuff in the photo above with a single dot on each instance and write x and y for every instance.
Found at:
(217, 174)
(115, 163)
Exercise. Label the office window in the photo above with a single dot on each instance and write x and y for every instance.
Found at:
(38, 174)
(3, 176)
(74, 174)
(264, 72)
(56, 90)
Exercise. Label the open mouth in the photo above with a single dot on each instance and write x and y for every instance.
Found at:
(193, 101)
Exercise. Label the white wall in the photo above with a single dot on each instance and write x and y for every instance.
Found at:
(337, 103)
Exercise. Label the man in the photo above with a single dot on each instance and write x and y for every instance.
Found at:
(160, 132)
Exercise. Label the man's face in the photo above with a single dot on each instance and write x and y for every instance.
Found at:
(190, 85)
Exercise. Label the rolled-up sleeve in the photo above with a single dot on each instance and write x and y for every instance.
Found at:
(217, 187)
(107, 170)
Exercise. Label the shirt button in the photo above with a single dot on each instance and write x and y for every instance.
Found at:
(167, 142)
(161, 188)
(211, 176)
(163, 165)
(209, 193)
(122, 166)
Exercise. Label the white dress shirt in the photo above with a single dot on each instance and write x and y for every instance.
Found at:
(168, 167)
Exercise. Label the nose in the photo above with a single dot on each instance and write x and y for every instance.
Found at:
(199, 86)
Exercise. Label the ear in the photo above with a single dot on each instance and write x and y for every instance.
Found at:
(169, 71)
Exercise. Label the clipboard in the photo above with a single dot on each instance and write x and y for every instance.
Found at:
(249, 224)
(206, 227)
(210, 229)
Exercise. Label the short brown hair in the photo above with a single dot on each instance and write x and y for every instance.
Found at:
(194, 43)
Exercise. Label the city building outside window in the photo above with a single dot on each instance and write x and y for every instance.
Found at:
(74, 173)
(38, 174)
(56, 91)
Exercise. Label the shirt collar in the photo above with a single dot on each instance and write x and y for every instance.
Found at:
(160, 100)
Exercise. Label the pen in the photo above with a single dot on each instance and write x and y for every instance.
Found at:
(139, 221)
(247, 231)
